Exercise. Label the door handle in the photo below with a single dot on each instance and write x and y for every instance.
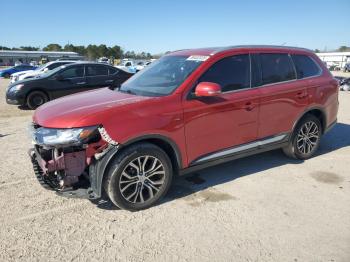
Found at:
(81, 83)
(249, 106)
(302, 94)
(109, 81)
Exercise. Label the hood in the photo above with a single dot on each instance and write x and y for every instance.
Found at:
(33, 72)
(85, 109)
(22, 72)
(24, 81)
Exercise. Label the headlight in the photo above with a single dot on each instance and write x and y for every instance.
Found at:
(15, 88)
(69, 136)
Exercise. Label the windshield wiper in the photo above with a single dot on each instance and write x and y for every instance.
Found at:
(127, 91)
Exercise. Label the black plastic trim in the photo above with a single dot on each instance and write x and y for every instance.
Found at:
(234, 156)
(308, 110)
(160, 137)
(98, 168)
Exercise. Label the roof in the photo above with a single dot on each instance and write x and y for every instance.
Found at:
(80, 62)
(215, 50)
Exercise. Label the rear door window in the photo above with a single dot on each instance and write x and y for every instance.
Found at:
(305, 66)
(276, 68)
(72, 72)
(231, 73)
(96, 70)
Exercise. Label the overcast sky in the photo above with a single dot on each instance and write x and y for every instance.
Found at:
(159, 26)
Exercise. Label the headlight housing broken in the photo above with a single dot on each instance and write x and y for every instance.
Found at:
(63, 137)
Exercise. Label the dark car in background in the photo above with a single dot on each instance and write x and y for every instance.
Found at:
(64, 80)
(6, 73)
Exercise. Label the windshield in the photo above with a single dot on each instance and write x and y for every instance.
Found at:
(161, 77)
(40, 67)
(51, 72)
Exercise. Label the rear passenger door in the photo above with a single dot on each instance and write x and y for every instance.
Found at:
(97, 76)
(283, 98)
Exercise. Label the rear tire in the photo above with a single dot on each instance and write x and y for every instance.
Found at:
(138, 177)
(36, 99)
(305, 139)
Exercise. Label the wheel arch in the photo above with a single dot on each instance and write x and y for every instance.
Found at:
(317, 112)
(165, 143)
(98, 169)
(37, 89)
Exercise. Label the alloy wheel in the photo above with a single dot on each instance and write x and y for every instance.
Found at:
(141, 179)
(38, 100)
(308, 137)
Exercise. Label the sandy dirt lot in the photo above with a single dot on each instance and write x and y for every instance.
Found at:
(261, 208)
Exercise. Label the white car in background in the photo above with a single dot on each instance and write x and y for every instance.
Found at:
(104, 60)
(141, 65)
(127, 65)
(42, 69)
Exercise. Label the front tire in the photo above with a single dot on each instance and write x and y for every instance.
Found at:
(305, 139)
(36, 99)
(138, 177)
(6, 75)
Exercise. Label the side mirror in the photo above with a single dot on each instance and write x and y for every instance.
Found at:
(46, 69)
(207, 89)
(59, 78)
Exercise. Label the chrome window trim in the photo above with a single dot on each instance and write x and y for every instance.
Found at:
(297, 79)
(276, 83)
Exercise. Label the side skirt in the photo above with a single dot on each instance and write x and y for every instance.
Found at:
(237, 153)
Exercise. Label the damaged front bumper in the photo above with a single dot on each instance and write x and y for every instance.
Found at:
(74, 170)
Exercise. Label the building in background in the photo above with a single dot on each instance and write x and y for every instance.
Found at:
(10, 57)
(338, 59)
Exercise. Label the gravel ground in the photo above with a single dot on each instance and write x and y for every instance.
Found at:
(261, 208)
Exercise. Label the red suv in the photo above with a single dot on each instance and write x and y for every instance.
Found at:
(189, 110)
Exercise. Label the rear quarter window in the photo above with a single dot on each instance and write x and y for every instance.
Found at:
(112, 70)
(276, 68)
(305, 66)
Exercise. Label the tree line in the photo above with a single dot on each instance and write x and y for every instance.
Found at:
(91, 51)
(342, 48)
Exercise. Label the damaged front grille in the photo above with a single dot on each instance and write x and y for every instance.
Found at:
(58, 167)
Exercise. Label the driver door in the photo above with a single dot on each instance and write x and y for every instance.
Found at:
(219, 123)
